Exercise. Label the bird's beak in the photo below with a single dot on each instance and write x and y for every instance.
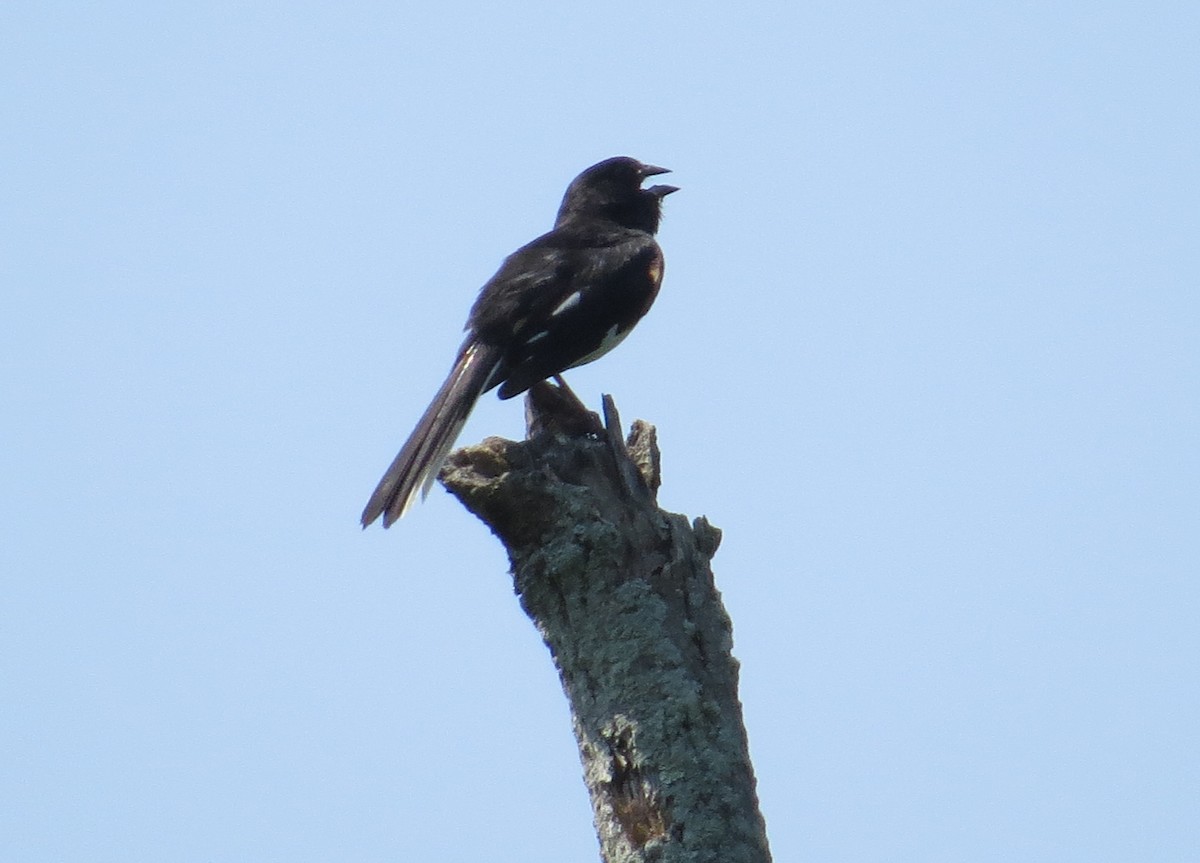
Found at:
(652, 170)
(662, 191)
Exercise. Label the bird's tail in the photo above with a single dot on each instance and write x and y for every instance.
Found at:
(415, 467)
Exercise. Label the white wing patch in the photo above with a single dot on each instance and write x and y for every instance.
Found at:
(569, 303)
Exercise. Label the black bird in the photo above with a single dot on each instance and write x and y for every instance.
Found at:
(563, 300)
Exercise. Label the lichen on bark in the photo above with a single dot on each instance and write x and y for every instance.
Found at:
(624, 597)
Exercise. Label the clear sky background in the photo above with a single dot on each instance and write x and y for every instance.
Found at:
(927, 350)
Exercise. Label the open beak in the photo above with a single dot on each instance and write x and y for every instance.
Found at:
(658, 191)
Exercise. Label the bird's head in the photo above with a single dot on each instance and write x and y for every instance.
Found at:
(612, 190)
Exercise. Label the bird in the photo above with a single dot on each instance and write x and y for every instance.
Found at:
(560, 301)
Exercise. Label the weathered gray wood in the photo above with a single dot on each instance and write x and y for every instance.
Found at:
(623, 594)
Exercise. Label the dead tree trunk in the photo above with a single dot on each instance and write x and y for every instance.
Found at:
(623, 595)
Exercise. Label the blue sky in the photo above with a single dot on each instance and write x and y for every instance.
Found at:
(926, 351)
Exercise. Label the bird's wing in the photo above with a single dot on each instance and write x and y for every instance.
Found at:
(534, 281)
(564, 300)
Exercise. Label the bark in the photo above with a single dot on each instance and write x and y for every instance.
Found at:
(623, 594)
